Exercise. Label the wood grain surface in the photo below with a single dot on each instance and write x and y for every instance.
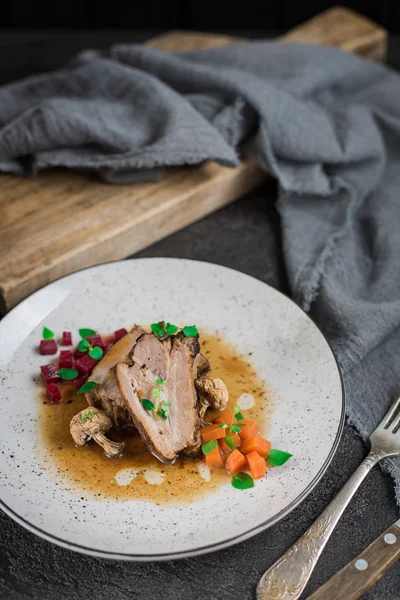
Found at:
(363, 572)
(60, 221)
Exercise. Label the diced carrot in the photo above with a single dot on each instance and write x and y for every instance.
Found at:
(250, 428)
(225, 417)
(214, 458)
(256, 444)
(235, 462)
(257, 465)
(212, 432)
(224, 446)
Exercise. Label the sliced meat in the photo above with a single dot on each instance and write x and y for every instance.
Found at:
(202, 365)
(107, 394)
(213, 393)
(173, 360)
(152, 352)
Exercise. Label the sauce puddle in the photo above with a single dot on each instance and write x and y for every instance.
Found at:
(137, 475)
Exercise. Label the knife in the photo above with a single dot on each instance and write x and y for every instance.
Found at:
(365, 570)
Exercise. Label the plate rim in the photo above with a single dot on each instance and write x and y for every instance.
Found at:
(210, 547)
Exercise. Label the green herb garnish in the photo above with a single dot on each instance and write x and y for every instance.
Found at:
(158, 329)
(68, 374)
(162, 329)
(209, 446)
(163, 413)
(190, 330)
(277, 458)
(96, 353)
(156, 407)
(232, 428)
(242, 481)
(89, 416)
(84, 333)
(87, 386)
(47, 334)
(170, 328)
(147, 404)
(238, 414)
(83, 346)
(229, 441)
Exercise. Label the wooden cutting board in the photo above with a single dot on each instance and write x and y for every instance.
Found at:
(60, 221)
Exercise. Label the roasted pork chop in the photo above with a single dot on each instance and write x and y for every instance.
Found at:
(107, 394)
(172, 360)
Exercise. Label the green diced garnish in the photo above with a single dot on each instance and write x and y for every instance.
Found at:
(89, 385)
(209, 446)
(190, 331)
(83, 346)
(229, 441)
(157, 329)
(277, 458)
(47, 334)
(171, 329)
(242, 481)
(68, 374)
(96, 352)
(85, 332)
(147, 404)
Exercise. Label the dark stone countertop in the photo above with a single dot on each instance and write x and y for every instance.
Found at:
(244, 236)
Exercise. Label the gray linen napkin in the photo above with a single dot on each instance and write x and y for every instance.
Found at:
(326, 124)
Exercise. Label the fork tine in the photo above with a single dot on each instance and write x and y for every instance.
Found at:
(390, 414)
(395, 424)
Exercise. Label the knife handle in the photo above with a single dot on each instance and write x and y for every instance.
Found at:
(364, 571)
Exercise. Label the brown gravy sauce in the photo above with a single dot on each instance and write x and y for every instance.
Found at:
(87, 471)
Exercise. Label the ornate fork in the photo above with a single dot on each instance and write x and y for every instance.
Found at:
(288, 577)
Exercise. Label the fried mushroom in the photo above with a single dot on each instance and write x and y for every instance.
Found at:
(92, 424)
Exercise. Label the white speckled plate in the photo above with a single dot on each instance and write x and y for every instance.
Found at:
(288, 352)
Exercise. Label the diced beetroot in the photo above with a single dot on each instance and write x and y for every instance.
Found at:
(79, 381)
(108, 346)
(66, 360)
(119, 334)
(48, 347)
(66, 338)
(50, 373)
(95, 340)
(53, 393)
(85, 364)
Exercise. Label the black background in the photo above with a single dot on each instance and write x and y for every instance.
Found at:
(186, 14)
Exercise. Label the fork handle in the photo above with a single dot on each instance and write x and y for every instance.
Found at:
(288, 577)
